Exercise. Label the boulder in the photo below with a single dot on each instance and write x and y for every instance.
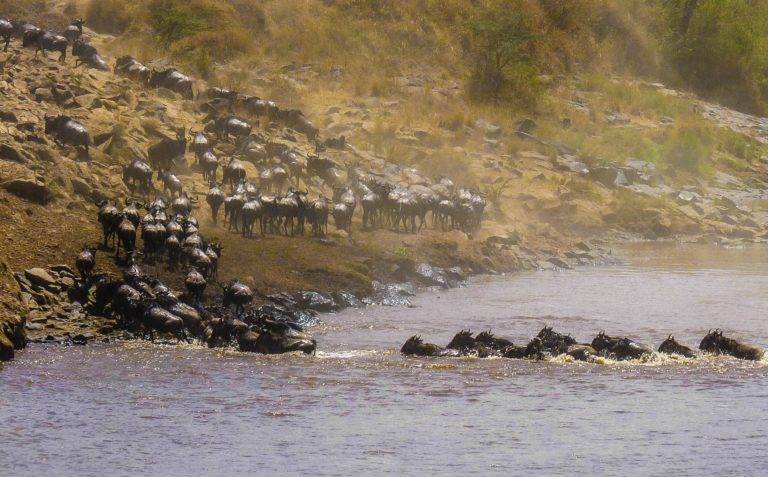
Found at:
(609, 176)
(81, 188)
(39, 276)
(525, 127)
(11, 154)
(431, 276)
(347, 299)
(559, 263)
(28, 189)
(321, 302)
(43, 95)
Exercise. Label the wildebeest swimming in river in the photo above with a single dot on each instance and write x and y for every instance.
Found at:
(671, 346)
(619, 348)
(415, 346)
(716, 343)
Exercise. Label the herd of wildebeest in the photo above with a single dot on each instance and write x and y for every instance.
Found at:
(272, 202)
(549, 344)
(158, 227)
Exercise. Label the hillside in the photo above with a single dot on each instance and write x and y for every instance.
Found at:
(566, 154)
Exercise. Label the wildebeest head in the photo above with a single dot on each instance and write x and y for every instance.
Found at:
(412, 345)
(712, 342)
(51, 123)
(603, 342)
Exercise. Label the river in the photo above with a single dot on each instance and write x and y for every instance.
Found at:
(359, 407)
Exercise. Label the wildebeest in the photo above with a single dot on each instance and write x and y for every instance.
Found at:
(127, 303)
(195, 283)
(237, 294)
(277, 338)
(156, 318)
(86, 261)
(251, 212)
(138, 175)
(109, 218)
(75, 30)
(200, 144)
(260, 107)
(671, 346)
(214, 198)
(533, 350)
(296, 120)
(344, 208)
(415, 346)
(229, 126)
(279, 176)
(619, 348)
(173, 80)
(234, 172)
(171, 183)
(88, 55)
(6, 32)
(130, 67)
(488, 339)
(292, 210)
(182, 205)
(553, 342)
(714, 342)
(65, 130)
(162, 155)
(131, 212)
(233, 205)
(463, 342)
(126, 236)
(213, 251)
(46, 41)
(372, 204)
(317, 214)
(209, 163)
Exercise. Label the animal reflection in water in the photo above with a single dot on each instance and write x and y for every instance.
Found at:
(549, 344)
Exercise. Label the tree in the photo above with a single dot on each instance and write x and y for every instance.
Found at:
(502, 52)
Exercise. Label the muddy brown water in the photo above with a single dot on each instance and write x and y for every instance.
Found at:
(361, 408)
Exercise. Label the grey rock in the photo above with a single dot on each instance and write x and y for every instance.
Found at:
(559, 263)
(11, 154)
(39, 276)
(30, 190)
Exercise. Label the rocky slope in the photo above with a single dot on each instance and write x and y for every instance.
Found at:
(550, 205)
